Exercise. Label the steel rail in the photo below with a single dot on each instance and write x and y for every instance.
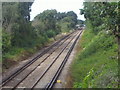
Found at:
(4, 81)
(38, 65)
(53, 80)
(51, 63)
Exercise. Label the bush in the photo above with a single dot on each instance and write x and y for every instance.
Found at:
(6, 42)
(50, 33)
(96, 66)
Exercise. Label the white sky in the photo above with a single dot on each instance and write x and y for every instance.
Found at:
(60, 5)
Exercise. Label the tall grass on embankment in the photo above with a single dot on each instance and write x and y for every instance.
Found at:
(96, 65)
(17, 54)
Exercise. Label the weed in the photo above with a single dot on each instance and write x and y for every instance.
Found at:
(96, 66)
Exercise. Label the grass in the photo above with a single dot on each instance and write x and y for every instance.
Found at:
(17, 54)
(96, 65)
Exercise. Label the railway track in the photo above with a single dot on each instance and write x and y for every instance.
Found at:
(33, 74)
(47, 50)
(53, 80)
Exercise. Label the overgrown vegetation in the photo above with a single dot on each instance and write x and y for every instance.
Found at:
(96, 65)
(22, 37)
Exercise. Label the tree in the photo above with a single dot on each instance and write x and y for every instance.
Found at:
(73, 17)
(46, 23)
(16, 23)
(101, 14)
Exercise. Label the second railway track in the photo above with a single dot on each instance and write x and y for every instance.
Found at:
(41, 72)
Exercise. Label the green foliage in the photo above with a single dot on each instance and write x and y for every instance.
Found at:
(17, 29)
(53, 22)
(68, 22)
(97, 44)
(103, 14)
(6, 42)
(24, 10)
(13, 53)
(96, 66)
(88, 35)
(45, 24)
(47, 18)
(50, 33)
(23, 35)
(20, 34)
(73, 18)
(41, 40)
(87, 78)
(64, 26)
(16, 24)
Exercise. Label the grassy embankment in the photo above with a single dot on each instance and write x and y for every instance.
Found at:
(16, 54)
(96, 65)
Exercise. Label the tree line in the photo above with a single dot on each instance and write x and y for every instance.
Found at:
(98, 57)
(16, 25)
(103, 15)
(19, 32)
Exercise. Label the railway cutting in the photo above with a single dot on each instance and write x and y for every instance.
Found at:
(43, 70)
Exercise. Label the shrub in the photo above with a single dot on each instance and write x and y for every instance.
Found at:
(50, 33)
(6, 42)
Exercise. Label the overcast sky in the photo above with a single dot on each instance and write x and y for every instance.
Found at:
(60, 5)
